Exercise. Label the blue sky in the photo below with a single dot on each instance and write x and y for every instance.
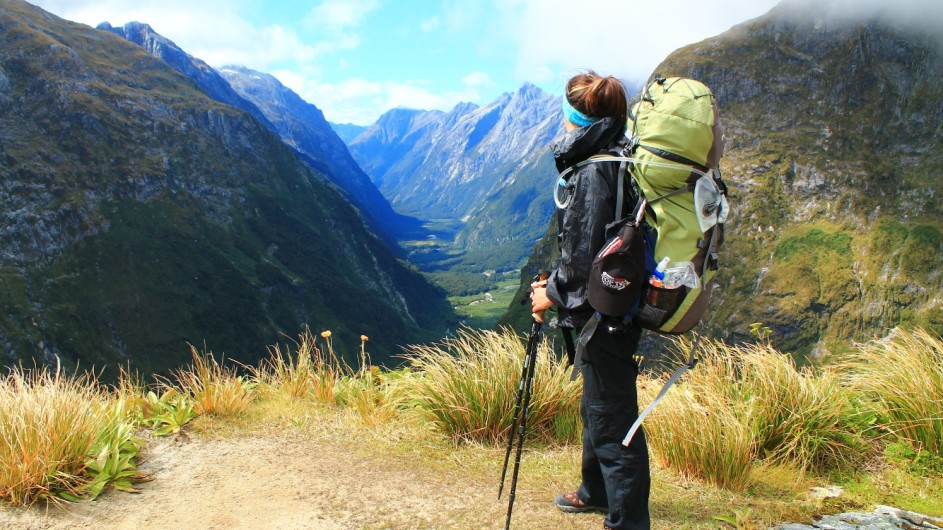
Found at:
(355, 59)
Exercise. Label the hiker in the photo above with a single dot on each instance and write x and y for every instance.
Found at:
(615, 479)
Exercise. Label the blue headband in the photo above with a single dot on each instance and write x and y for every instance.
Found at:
(576, 117)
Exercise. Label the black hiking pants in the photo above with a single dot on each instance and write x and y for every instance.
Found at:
(613, 475)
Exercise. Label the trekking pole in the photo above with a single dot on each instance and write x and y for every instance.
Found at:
(535, 328)
(521, 409)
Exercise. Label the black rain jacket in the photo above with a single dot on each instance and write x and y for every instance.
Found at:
(583, 223)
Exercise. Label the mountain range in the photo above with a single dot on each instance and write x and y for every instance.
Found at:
(299, 124)
(142, 214)
(478, 170)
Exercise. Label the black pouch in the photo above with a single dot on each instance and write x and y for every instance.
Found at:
(658, 304)
(617, 275)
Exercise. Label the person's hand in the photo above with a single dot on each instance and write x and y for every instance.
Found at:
(539, 301)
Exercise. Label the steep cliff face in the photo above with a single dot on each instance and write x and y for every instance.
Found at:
(834, 151)
(205, 77)
(302, 126)
(397, 145)
(141, 214)
(840, 180)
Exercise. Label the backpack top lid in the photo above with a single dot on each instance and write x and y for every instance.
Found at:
(676, 115)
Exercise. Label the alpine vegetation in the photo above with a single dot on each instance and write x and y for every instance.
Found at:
(213, 387)
(62, 437)
(902, 376)
(311, 371)
(739, 427)
(466, 386)
(744, 404)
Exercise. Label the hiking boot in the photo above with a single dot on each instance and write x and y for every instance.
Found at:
(571, 503)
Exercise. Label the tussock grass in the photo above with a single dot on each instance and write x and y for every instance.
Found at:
(466, 387)
(902, 375)
(800, 417)
(212, 387)
(374, 395)
(745, 420)
(61, 436)
(311, 371)
(743, 404)
(702, 441)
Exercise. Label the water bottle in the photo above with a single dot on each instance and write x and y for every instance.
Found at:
(658, 275)
(656, 280)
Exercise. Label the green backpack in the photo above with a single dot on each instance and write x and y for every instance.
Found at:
(670, 162)
(676, 146)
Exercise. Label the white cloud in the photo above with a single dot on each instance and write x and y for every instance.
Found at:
(429, 24)
(922, 15)
(272, 45)
(337, 23)
(211, 30)
(546, 40)
(339, 15)
(625, 39)
(478, 79)
(361, 101)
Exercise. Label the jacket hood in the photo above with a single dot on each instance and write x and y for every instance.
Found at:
(579, 144)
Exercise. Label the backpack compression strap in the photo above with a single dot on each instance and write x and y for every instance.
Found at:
(668, 155)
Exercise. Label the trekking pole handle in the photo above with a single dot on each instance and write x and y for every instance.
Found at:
(537, 317)
(539, 277)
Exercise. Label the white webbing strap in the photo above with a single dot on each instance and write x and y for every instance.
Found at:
(664, 390)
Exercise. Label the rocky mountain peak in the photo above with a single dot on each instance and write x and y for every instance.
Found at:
(424, 161)
(197, 70)
(302, 126)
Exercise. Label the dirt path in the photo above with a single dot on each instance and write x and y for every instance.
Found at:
(294, 482)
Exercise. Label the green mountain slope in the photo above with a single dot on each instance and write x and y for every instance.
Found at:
(140, 215)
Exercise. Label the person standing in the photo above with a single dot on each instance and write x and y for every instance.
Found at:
(615, 479)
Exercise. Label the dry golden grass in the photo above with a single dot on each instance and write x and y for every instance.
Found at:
(212, 387)
(747, 404)
(49, 426)
(744, 419)
(467, 387)
(310, 371)
(902, 375)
